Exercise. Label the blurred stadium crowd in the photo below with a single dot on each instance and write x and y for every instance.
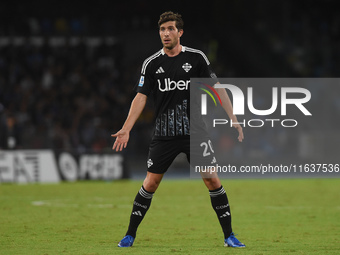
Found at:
(62, 96)
(66, 80)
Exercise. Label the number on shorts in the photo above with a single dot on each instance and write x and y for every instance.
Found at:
(207, 146)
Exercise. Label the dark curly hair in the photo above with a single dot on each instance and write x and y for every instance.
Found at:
(170, 16)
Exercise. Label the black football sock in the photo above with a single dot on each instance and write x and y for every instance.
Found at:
(219, 202)
(140, 207)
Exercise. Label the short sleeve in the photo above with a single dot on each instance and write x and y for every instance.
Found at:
(206, 70)
(146, 83)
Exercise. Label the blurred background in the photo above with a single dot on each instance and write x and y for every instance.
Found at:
(67, 69)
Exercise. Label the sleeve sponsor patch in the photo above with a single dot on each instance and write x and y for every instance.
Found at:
(141, 81)
(213, 75)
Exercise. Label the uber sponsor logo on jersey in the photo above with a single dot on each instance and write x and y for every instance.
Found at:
(172, 85)
(141, 81)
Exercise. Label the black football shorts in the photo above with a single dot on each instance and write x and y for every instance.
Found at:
(163, 152)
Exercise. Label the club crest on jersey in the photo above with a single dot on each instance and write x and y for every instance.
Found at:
(187, 67)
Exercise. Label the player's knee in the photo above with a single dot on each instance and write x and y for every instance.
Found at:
(151, 185)
(212, 183)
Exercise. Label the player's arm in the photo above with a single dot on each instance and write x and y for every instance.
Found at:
(206, 71)
(227, 106)
(122, 136)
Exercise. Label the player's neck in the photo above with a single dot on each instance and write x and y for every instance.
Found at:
(174, 51)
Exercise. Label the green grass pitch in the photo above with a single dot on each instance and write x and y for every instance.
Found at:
(283, 216)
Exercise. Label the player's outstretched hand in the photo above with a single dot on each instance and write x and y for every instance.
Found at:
(122, 138)
(240, 132)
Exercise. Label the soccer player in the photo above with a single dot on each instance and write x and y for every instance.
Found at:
(166, 74)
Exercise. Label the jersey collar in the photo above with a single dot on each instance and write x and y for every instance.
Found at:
(183, 50)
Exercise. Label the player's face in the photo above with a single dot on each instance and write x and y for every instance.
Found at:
(169, 34)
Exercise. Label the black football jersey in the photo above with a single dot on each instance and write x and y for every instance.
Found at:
(167, 79)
